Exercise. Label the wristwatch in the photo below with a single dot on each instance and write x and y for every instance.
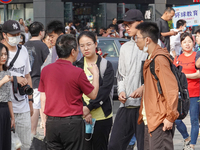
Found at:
(30, 100)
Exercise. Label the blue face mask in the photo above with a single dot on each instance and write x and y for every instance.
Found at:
(125, 34)
(89, 128)
(97, 40)
(184, 29)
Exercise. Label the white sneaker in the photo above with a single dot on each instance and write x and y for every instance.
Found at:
(186, 144)
(188, 148)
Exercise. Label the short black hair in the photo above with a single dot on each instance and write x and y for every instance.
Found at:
(184, 35)
(35, 28)
(55, 26)
(20, 19)
(88, 34)
(149, 29)
(64, 45)
(169, 9)
(180, 23)
(1, 47)
(70, 21)
(197, 31)
(114, 19)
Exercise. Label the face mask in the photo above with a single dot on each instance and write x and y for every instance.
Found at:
(97, 40)
(89, 128)
(184, 29)
(145, 48)
(13, 41)
(125, 34)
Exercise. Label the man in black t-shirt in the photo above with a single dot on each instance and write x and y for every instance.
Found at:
(164, 28)
(114, 24)
(38, 52)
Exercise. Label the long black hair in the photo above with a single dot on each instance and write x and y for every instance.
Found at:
(1, 47)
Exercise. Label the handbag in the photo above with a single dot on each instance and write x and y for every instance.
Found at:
(38, 144)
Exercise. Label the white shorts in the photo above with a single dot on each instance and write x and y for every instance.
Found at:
(23, 128)
(36, 99)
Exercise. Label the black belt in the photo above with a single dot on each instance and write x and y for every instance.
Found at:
(3, 104)
(68, 117)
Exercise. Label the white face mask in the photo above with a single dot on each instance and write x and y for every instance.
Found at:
(145, 48)
(13, 41)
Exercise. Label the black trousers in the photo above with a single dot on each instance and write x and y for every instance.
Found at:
(159, 139)
(125, 126)
(65, 133)
(100, 136)
(5, 127)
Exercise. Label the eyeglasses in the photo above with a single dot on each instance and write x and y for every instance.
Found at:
(129, 25)
(136, 38)
(87, 45)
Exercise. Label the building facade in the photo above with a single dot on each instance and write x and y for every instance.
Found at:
(94, 13)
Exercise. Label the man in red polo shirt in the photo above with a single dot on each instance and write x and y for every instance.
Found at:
(61, 86)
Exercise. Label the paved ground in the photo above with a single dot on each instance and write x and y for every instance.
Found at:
(178, 140)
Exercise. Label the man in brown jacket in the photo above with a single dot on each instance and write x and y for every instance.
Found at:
(157, 111)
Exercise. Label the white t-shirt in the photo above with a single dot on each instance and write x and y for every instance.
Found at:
(21, 67)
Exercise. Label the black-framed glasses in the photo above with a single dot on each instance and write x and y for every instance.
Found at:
(129, 25)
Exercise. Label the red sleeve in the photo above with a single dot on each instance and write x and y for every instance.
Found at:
(41, 84)
(84, 84)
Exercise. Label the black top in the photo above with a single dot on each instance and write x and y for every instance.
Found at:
(38, 52)
(163, 27)
(105, 86)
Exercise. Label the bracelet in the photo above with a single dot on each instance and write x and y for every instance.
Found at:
(30, 100)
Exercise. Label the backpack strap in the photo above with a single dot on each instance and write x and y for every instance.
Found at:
(152, 69)
(103, 66)
(19, 47)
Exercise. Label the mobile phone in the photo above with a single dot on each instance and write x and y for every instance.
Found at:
(13, 129)
(112, 30)
(127, 97)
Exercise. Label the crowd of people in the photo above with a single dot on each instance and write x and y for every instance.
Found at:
(57, 73)
(113, 30)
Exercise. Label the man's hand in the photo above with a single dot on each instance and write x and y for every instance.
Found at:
(172, 32)
(94, 69)
(86, 111)
(88, 118)
(167, 125)
(138, 92)
(31, 108)
(122, 97)
(22, 81)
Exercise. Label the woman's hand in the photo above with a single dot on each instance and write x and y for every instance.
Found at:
(6, 79)
(13, 122)
(195, 75)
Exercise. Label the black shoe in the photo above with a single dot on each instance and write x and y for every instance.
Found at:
(130, 147)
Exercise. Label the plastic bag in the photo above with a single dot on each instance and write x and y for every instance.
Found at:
(16, 143)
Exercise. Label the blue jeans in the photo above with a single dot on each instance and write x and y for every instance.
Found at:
(182, 128)
(133, 140)
(194, 119)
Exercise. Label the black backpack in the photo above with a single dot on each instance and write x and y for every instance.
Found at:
(183, 99)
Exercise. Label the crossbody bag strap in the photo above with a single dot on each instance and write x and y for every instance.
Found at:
(16, 55)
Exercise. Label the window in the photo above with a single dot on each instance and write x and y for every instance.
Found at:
(28, 13)
(109, 47)
(15, 11)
